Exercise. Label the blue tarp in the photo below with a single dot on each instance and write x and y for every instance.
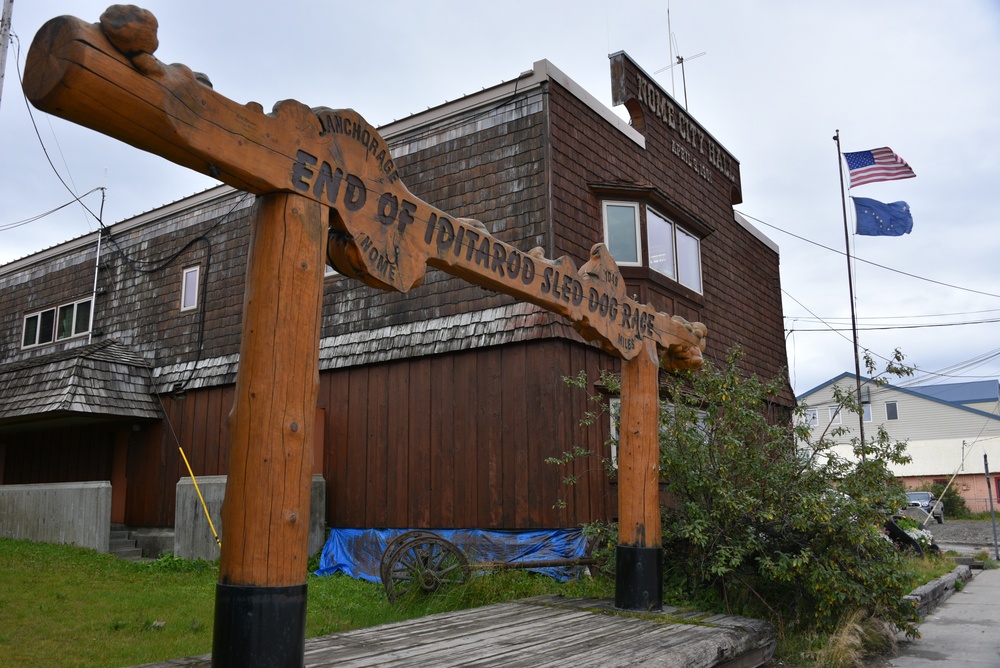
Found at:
(358, 552)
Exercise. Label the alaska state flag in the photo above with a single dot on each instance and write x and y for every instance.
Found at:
(876, 218)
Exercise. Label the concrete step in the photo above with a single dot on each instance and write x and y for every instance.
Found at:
(128, 554)
(122, 545)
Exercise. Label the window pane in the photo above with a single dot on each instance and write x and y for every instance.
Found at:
(189, 290)
(45, 326)
(688, 260)
(891, 412)
(834, 414)
(64, 328)
(621, 227)
(82, 318)
(30, 330)
(660, 238)
(868, 412)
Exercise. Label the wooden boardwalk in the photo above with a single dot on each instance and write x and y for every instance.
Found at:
(544, 631)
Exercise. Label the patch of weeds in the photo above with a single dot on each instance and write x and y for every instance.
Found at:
(168, 563)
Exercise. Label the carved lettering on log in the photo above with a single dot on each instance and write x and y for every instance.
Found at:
(381, 233)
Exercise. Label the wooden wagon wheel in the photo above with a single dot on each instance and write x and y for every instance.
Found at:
(386, 563)
(425, 563)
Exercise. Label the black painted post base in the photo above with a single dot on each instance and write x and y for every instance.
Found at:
(259, 626)
(639, 578)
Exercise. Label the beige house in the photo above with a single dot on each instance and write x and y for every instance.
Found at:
(948, 428)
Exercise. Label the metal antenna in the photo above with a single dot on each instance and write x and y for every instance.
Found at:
(679, 61)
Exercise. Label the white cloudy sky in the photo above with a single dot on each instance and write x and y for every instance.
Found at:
(778, 78)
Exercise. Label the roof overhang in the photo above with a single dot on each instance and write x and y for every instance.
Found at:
(96, 382)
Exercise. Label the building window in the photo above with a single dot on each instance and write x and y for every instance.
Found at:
(812, 417)
(660, 233)
(673, 251)
(621, 232)
(615, 412)
(834, 414)
(688, 260)
(670, 249)
(189, 288)
(56, 324)
(891, 411)
(867, 412)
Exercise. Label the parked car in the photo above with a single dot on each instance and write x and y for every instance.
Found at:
(928, 503)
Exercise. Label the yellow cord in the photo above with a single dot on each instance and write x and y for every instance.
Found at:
(200, 497)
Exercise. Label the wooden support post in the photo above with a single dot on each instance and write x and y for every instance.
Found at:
(639, 569)
(260, 604)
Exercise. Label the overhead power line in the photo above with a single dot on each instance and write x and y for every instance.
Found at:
(869, 262)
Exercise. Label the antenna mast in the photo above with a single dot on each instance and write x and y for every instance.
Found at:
(8, 10)
(676, 60)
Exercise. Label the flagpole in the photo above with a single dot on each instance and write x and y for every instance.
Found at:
(850, 287)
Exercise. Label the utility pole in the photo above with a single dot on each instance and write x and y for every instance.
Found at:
(8, 8)
(993, 517)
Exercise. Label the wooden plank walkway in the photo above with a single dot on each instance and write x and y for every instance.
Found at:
(543, 632)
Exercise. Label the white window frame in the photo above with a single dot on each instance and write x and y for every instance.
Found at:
(685, 262)
(895, 406)
(867, 412)
(638, 231)
(835, 416)
(54, 336)
(683, 267)
(189, 300)
(614, 414)
(671, 226)
(812, 417)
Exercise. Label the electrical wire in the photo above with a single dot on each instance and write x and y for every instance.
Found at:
(34, 125)
(35, 218)
(869, 262)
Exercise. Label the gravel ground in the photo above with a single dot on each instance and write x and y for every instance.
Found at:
(967, 533)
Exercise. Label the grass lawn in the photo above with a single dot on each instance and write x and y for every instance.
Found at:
(67, 606)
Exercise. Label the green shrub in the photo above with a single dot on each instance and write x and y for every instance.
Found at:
(774, 523)
(765, 520)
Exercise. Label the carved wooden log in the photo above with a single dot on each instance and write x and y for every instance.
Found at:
(261, 595)
(639, 453)
(639, 572)
(266, 510)
(330, 162)
(383, 234)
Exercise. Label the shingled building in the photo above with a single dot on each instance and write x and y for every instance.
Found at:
(437, 408)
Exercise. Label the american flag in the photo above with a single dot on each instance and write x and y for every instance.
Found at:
(878, 164)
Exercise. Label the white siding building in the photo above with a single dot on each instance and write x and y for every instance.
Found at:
(948, 428)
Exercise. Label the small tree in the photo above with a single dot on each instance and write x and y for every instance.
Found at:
(768, 520)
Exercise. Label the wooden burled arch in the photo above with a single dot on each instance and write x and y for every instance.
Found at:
(302, 163)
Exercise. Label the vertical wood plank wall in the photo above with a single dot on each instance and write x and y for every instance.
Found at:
(460, 440)
(452, 440)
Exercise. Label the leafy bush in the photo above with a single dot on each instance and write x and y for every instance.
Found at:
(766, 521)
(774, 523)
